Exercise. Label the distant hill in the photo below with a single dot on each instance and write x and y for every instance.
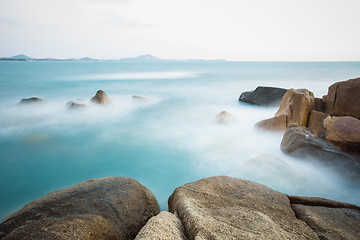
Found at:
(17, 57)
(146, 57)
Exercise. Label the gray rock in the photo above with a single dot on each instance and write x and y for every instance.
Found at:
(266, 96)
(231, 208)
(105, 208)
(31, 100)
(163, 226)
(75, 105)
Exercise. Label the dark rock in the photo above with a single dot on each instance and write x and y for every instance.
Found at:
(343, 99)
(105, 208)
(266, 96)
(277, 123)
(31, 100)
(163, 226)
(315, 123)
(297, 104)
(101, 97)
(319, 105)
(231, 208)
(301, 142)
(343, 132)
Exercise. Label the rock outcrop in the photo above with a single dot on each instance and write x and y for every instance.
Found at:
(105, 208)
(163, 226)
(231, 208)
(100, 97)
(343, 99)
(297, 104)
(301, 142)
(266, 96)
(315, 123)
(343, 132)
(277, 123)
(31, 100)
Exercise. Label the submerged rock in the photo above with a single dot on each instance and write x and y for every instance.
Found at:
(75, 105)
(224, 117)
(139, 98)
(297, 104)
(267, 96)
(343, 98)
(163, 226)
(105, 208)
(31, 100)
(343, 132)
(101, 97)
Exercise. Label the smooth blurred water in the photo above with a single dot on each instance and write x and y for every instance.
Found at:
(169, 140)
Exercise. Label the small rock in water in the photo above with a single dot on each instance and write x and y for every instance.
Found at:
(266, 96)
(31, 100)
(75, 105)
(224, 117)
(101, 97)
(139, 98)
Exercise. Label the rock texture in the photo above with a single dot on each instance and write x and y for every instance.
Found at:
(315, 123)
(163, 226)
(277, 123)
(301, 142)
(328, 219)
(105, 208)
(230, 208)
(297, 104)
(343, 98)
(320, 105)
(31, 100)
(101, 97)
(267, 96)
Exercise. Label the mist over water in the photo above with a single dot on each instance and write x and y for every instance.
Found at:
(169, 139)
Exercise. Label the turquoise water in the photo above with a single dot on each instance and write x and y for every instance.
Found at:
(168, 140)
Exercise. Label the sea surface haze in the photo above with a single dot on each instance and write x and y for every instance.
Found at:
(166, 140)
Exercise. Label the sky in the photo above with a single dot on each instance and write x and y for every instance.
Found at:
(244, 30)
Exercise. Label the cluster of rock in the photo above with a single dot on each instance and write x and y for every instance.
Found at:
(327, 128)
(211, 208)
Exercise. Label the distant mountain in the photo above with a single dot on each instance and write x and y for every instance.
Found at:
(146, 57)
(21, 57)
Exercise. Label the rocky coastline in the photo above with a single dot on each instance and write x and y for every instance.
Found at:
(323, 129)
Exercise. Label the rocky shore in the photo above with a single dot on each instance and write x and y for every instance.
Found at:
(211, 208)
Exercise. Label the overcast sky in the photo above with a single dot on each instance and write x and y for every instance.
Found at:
(210, 29)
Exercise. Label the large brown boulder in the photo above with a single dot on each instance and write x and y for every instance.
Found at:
(100, 97)
(277, 123)
(163, 226)
(104, 208)
(297, 104)
(343, 98)
(266, 96)
(302, 143)
(231, 208)
(315, 123)
(343, 132)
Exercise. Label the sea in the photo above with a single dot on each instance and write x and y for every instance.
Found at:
(170, 137)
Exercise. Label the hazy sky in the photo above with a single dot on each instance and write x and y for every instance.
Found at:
(210, 29)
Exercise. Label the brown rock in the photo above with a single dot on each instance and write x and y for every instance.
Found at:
(139, 98)
(163, 226)
(105, 208)
(316, 123)
(277, 123)
(101, 97)
(297, 104)
(319, 105)
(343, 98)
(343, 132)
(230, 208)
(224, 117)
(330, 223)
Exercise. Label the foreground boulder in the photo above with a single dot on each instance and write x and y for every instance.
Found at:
(297, 104)
(343, 132)
(301, 142)
(266, 96)
(105, 208)
(343, 98)
(100, 97)
(31, 100)
(163, 226)
(231, 208)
